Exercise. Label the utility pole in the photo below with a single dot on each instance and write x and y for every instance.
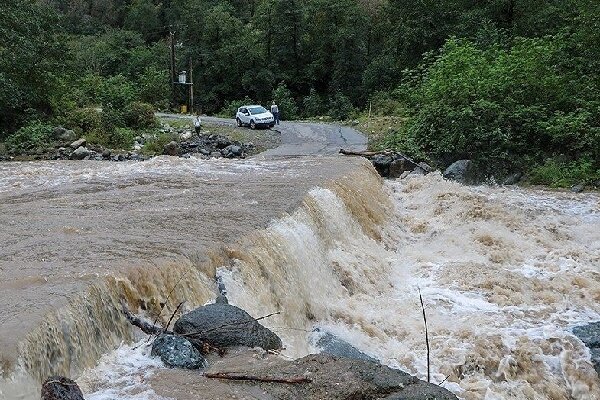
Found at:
(191, 87)
(173, 71)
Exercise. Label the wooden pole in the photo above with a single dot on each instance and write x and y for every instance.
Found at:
(173, 72)
(191, 86)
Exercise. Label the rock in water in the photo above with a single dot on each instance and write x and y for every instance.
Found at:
(459, 171)
(177, 352)
(331, 344)
(590, 336)
(60, 388)
(382, 163)
(224, 325)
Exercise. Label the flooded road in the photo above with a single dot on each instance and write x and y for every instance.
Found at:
(66, 226)
(505, 273)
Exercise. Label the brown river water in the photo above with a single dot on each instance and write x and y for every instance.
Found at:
(505, 273)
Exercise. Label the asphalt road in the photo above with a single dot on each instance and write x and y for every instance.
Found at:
(302, 138)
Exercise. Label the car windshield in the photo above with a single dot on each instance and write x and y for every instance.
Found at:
(256, 110)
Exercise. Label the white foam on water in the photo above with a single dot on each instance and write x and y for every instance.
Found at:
(122, 374)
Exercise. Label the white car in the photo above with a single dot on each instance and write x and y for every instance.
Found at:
(254, 116)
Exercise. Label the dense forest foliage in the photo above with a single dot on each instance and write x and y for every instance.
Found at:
(510, 84)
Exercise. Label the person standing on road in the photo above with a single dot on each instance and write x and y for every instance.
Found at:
(197, 125)
(275, 112)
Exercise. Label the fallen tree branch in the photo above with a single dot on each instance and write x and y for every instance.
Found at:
(146, 327)
(173, 315)
(241, 377)
(365, 153)
(386, 152)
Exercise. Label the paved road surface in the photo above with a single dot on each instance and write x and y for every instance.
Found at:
(302, 138)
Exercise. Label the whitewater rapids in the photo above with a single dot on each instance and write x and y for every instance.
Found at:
(505, 274)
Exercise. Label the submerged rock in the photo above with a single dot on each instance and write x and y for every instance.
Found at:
(223, 325)
(60, 388)
(590, 336)
(177, 352)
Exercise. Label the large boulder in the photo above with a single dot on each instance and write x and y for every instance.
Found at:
(177, 352)
(60, 388)
(78, 143)
(328, 343)
(382, 163)
(223, 325)
(80, 153)
(344, 378)
(171, 148)
(590, 336)
(460, 171)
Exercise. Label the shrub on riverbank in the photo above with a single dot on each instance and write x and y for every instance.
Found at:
(30, 137)
(506, 107)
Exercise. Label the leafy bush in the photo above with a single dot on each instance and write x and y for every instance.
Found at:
(82, 120)
(285, 101)
(32, 136)
(155, 145)
(502, 107)
(139, 115)
(154, 87)
(314, 104)
(340, 107)
(557, 173)
(117, 91)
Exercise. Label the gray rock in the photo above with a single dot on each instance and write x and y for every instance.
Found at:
(590, 336)
(458, 171)
(425, 167)
(580, 187)
(331, 344)
(398, 167)
(79, 143)
(235, 151)
(171, 148)
(382, 163)
(204, 152)
(60, 388)
(215, 154)
(405, 174)
(177, 352)
(342, 378)
(106, 153)
(224, 325)
(513, 179)
(80, 153)
(139, 139)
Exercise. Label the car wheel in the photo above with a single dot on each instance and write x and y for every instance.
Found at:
(252, 124)
(238, 121)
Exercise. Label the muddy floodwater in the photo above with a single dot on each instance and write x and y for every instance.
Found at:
(505, 273)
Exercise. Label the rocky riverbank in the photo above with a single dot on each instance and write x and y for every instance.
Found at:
(182, 142)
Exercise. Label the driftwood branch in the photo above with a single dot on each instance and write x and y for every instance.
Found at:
(426, 337)
(386, 152)
(146, 327)
(173, 315)
(227, 325)
(241, 377)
